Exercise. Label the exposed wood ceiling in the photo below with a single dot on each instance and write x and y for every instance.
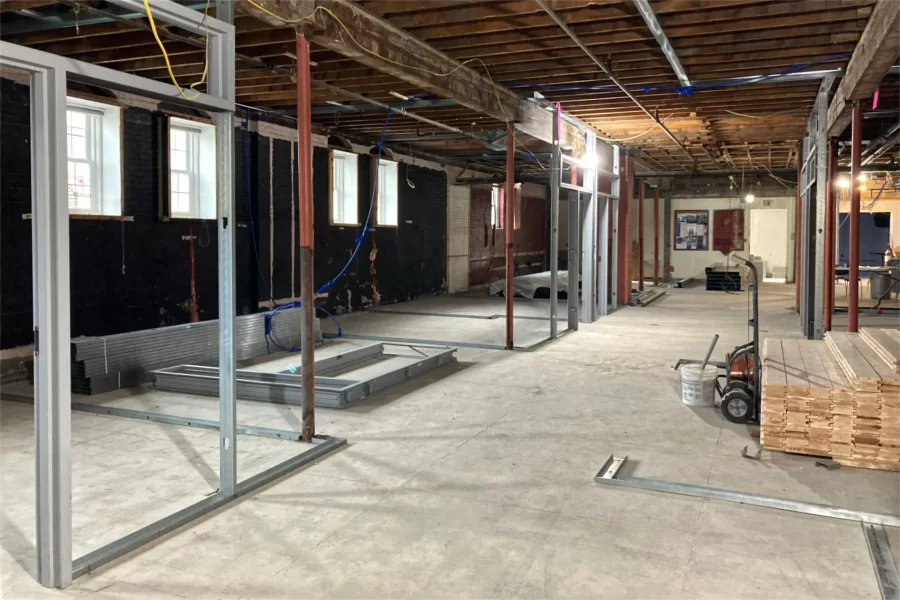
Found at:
(515, 43)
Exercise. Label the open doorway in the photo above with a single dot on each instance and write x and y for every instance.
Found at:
(769, 241)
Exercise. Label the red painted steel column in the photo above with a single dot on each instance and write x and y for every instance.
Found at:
(626, 172)
(853, 288)
(640, 185)
(827, 278)
(656, 235)
(798, 225)
(305, 198)
(509, 225)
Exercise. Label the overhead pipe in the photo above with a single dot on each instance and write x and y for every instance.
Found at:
(885, 147)
(855, 159)
(562, 24)
(305, 217)
(656, 29)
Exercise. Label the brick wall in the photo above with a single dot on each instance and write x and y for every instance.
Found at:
(131, 275)
(487, 257)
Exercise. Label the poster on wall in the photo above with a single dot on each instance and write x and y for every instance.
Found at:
(691, 229)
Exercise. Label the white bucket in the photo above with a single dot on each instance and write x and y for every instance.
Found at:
(698, 388)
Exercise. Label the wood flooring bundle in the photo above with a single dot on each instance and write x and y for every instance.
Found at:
(838, 398)
(885, 343)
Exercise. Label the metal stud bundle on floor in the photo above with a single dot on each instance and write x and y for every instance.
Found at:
(103, 364)
(286, 387)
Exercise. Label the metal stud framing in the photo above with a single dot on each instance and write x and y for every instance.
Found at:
(53, 403)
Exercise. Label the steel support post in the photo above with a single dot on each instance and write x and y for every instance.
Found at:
(656, 236)
(574, 266)
(855, 158)
(798, 224)
(509, 229)
(52, 388)
(640, 184)
(222, 84)
(554, 227)
(305, 196)
(828, 277)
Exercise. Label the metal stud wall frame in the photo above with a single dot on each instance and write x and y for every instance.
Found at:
(50, 231)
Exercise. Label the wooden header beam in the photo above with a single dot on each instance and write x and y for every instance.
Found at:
(876, 52)
(374, 42)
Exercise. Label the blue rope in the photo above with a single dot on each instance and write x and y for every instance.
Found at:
(366, 228)
(269, 316)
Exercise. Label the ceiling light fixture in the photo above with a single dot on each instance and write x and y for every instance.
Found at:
(749, 198)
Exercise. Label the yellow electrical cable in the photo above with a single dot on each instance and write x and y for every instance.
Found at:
(162, 47)
(782, 112)
(634, 137)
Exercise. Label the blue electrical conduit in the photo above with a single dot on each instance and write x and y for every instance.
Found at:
(269, 316)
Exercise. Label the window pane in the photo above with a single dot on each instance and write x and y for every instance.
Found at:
(77, 119)
(178, 139)
(79, 185)
(179, 160)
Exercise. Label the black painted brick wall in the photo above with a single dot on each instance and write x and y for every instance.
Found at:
(133, 275)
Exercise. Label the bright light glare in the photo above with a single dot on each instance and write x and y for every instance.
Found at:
(749, 198)
(590, 160)
(862, 177)
(843, 183)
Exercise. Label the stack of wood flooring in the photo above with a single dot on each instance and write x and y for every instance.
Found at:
(839, 397)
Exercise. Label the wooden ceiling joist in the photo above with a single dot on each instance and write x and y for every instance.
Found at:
(876, 52)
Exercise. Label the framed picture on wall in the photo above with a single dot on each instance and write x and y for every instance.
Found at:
(691, 230)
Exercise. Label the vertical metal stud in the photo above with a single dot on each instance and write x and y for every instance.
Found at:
(52, 391)
(222, 83)
(554, 227)
(574, 262)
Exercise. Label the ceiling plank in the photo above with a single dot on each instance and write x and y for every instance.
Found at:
(874, 55)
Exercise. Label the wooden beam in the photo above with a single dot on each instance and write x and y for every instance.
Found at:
(876, 52)
(8, 5)
(374, 42)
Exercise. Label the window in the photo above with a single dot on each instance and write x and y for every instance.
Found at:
(94, 169)
(343, 188)
(192, 170)
(496, 206)
(387, 210)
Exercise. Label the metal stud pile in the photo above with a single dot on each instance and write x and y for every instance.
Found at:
(103, 364)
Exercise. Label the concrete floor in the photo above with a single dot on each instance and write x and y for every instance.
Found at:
(476, 481)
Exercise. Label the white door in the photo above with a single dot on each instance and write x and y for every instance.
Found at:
(769, 239)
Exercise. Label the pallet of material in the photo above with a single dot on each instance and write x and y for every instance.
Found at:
(885, 343)
(829, 399)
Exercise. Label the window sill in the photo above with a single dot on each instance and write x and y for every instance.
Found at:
(101, 217)
(346, 224)
(82, 217)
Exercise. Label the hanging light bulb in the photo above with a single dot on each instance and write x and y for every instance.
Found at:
(749, 198)
(862, 177)
(843, 183)
(862, 187)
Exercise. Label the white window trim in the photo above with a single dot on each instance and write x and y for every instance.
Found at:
(105, 124)
(495, 206)
(344, 211)
(387, 188)
(201, 170)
